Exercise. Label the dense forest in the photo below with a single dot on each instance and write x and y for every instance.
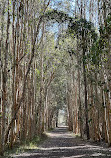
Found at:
(54, 55)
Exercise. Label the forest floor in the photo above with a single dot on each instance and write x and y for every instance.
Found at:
(63, 144)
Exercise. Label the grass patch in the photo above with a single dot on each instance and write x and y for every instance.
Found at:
(50, 129)
(25, 146)
(76, 135)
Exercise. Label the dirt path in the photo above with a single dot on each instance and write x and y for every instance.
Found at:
(62, 144)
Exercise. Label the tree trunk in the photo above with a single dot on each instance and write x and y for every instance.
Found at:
(4, 95)
(85, 91)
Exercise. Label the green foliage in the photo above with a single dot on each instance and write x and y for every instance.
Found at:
(100, 47)
(38, 72)
(108, 28)
(90, 121)
(100, 83)
(25, 146)
(84, 31)
(106, 90)
(105, 31)
(57, 16)
(94, 55)
(82, 27)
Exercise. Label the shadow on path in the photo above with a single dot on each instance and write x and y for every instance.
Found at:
(62, 144)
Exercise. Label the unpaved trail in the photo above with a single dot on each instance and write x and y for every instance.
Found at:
(62, 144)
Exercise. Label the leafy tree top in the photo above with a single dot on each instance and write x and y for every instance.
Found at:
(57, 16)
(82, 27)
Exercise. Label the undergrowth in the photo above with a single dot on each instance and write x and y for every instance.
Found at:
(25, 146)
